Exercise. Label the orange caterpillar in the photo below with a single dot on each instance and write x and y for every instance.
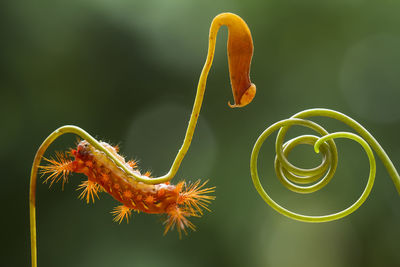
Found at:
(177, 201)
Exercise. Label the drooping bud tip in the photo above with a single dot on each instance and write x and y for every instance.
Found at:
(245, 98)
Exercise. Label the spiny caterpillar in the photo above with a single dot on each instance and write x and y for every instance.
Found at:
(177, 201)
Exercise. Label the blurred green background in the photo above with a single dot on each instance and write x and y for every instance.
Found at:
(126, 71)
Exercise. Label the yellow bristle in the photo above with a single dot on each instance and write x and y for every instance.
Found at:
(59, 167)
(194, 197)
(177, 217)
(90, 189)
(121, 212)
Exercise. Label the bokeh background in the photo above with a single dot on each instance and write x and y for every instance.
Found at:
(126, 71)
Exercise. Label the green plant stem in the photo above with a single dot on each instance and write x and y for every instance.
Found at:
(294, 178)
(232, 21)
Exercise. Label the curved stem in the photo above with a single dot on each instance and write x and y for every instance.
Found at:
(240, 52)
(293, 177)
(362, 132)
(33, 180)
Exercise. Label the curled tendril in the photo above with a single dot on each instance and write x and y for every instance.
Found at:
(310, 180)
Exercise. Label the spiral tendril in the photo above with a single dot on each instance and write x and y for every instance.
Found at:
(306, 181)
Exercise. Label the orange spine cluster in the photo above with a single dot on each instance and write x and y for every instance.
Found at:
(177, 201)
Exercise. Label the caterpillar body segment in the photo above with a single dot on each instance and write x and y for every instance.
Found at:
(177, 201)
